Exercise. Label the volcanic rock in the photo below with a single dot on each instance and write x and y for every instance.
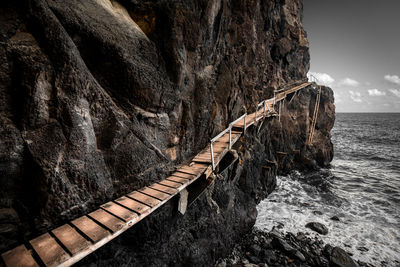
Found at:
(317, 227)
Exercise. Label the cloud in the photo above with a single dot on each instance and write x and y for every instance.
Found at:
(355, 96)
(376, 92)
(322, 78)
(393, 79)
(349, 82)
(396, 92)
(338, 97)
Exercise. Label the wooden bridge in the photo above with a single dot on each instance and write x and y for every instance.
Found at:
(73, 241)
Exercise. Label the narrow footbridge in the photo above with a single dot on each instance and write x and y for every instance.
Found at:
(73, 241)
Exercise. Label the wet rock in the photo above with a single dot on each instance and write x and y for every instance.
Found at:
(281, 244)
(364, 249)
(327, 250)
(340, 258)
(317, 227)
(335, 218)
(297, 254)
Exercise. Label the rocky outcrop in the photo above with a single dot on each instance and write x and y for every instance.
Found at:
(101, 97)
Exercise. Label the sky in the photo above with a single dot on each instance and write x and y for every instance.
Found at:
(355, 49)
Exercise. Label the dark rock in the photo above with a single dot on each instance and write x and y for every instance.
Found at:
(281, 244)
(364, 249)
(340, 258)
(335, 218)
(301, 236)
(297, 254)
(270, 256)
(254, 259)
(317, 212)
(317, 227)
(327, 251)
(255, 249)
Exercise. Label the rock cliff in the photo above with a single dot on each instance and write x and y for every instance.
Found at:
(100, 97)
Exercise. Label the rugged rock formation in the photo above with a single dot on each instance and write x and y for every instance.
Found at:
(101, 97)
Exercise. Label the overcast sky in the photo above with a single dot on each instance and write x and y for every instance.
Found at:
(355, 49)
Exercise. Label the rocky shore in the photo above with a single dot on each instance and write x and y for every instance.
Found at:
(276, 248)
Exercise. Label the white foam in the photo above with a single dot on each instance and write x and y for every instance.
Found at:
(362, 224)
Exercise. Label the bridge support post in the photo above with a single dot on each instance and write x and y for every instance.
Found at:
(183, 201)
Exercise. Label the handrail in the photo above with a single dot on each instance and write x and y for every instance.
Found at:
(222, 133)
(265, 107)
(231, 125)
(312, 78)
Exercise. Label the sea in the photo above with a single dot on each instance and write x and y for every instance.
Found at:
(361, 187)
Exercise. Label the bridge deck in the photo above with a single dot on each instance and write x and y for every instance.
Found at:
(71, 242)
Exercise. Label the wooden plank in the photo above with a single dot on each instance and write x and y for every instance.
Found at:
(188, 170)
(111, 222)
(121, 212)
(154, 193)
(177, 179)
(164, 189)
(132, 205)
(183, 175)
(192, 170)
(199, 166)
(203, 160)
(19, 256)
(170, 183)
(71, 239)
(90, 228)
(49, 251)
(150, 201)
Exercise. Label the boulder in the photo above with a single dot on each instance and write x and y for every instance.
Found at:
(340, 258)
(317, 227)
(335, 218)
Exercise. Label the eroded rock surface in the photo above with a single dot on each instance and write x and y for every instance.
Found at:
(100, 97)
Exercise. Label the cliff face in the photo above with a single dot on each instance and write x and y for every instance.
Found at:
(101, 97)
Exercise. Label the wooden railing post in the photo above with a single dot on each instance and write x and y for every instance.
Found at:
(230, 136)
(212, 155)
(265, 113)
